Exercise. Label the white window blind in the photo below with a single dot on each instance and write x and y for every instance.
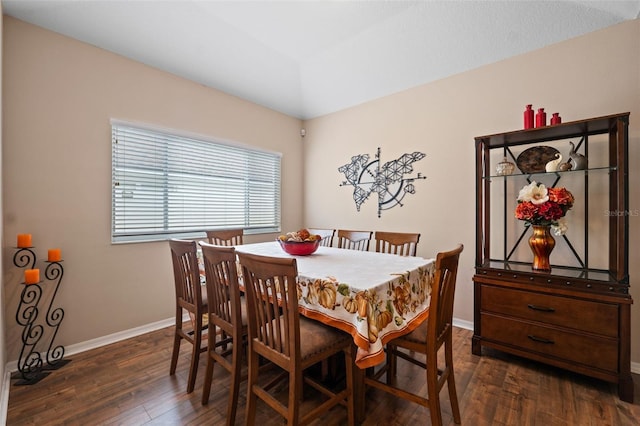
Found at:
(168, 185)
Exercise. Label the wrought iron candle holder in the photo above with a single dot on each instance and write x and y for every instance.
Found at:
(33, 366)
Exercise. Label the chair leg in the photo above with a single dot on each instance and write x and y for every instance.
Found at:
(324, 369)
(251, 381)
(432, 390)
(195, 358)
(392, 362)
(348, 361)
(223, 336)
(176, 345)
(359, 387)
(295, 396)
(451, 382)
(208, 377)
(174, 355)
(236, 367)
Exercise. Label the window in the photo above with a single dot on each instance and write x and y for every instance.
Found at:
(166, 185)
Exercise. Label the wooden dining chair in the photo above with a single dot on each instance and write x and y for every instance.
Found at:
(225, 237)
(326, 234)
(227, 314)
(427, 339)
(293, 343)
(190, 297)
(354, 240)
(400, 243)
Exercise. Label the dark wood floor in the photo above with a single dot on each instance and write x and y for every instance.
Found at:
(128, 383)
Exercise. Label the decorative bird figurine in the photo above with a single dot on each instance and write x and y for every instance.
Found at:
(552, 166)
(578, 161)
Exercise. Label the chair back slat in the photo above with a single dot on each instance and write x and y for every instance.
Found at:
(442, 296)
(354, 240)
(226, 237)
(400, 243)
(272, 304)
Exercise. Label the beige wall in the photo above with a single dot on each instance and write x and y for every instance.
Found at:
(597, 74)
(59, 95)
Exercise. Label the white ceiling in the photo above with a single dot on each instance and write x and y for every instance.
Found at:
(310, 58)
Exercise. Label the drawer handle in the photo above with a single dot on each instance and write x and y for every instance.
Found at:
(540, 308)
(540, 339)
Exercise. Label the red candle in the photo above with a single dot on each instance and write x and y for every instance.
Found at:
(32, 276)
(24, 240)
(54, 255)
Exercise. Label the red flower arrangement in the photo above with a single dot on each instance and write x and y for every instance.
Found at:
(539, 205)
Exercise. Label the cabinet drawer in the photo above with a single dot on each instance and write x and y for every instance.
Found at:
(593, 351)
(593, 317)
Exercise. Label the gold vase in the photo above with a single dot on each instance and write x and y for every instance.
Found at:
(542, 244)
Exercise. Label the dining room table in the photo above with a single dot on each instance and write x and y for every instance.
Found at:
(374, 297)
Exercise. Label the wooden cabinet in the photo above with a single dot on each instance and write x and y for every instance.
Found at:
(577, 316)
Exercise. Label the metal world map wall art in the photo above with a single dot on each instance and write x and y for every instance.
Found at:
(389, 181)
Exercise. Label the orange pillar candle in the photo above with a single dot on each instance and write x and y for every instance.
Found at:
(32, 276)
(24, 240)
(54, 255)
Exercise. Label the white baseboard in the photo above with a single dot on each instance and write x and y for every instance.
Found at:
(467, 325)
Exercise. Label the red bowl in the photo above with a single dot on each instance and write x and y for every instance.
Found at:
(302, 248)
